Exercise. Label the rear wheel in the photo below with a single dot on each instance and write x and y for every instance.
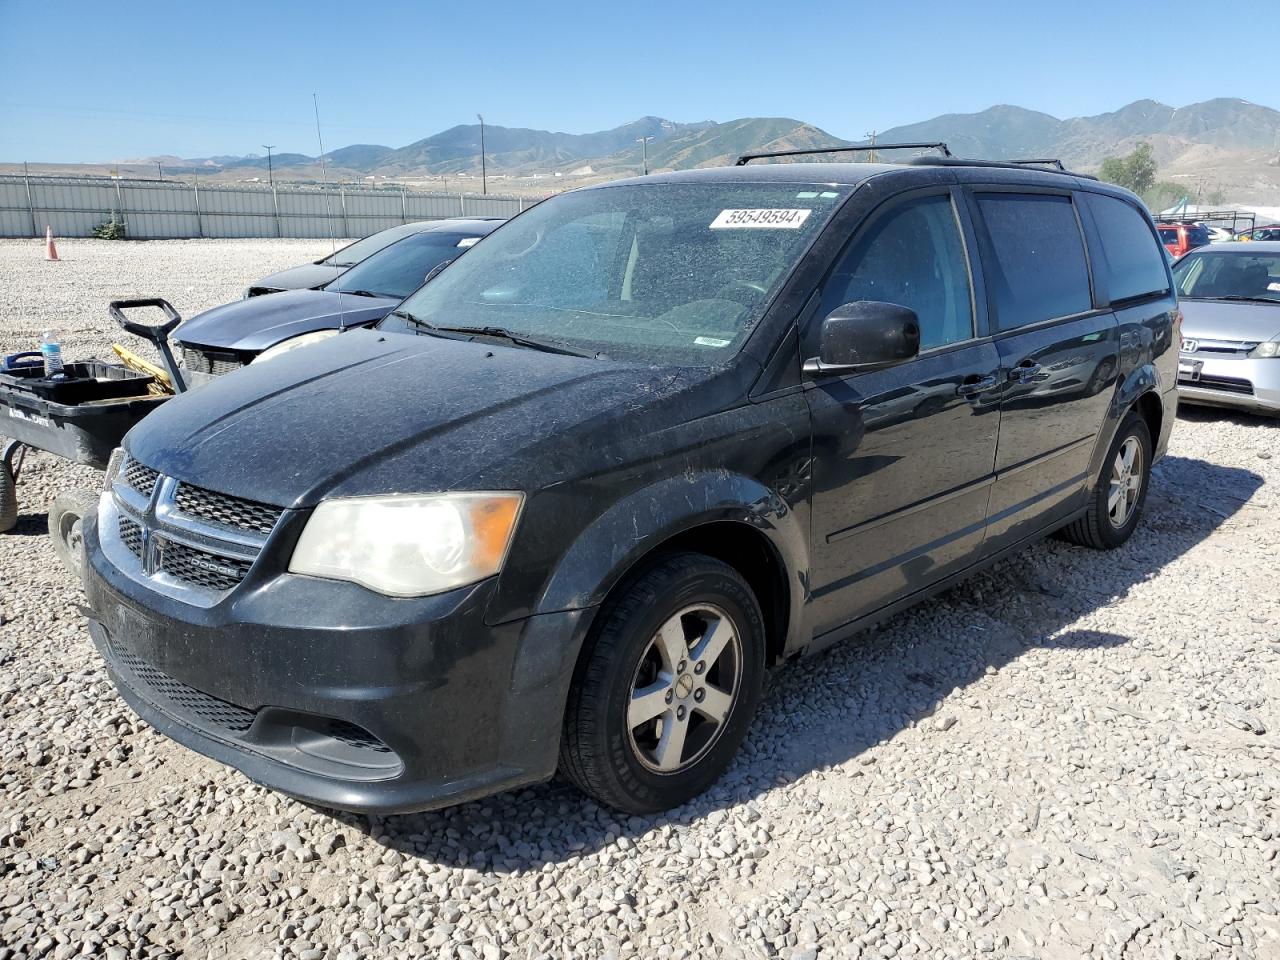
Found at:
(66, 526)
(665, 692)
(1115, 506)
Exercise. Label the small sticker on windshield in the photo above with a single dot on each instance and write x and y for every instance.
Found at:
(765, 219)
(1273, 286)
(468, 242)
(711, 342)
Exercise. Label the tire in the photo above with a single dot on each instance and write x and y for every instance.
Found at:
(635, 645)
(1099, 528)
(65, 518)
(8, 498)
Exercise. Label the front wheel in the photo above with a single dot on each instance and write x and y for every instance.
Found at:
(1115, 505)
(665, 691)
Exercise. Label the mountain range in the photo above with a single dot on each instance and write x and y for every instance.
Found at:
(1232, 144)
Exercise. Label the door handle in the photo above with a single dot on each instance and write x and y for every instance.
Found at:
(1024, 372)
(973, 384)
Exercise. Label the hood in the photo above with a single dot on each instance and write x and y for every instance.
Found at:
(260, 322)
(372, 413)
(309, 276)
(1219, 320)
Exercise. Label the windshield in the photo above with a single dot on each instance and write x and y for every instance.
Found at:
(1210, 276)
(353, 253)
(400, 269)
(655, 272)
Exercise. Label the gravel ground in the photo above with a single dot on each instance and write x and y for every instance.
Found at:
(1072, 755)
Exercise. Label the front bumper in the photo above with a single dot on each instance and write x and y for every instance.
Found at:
(338, 696)
(1230, 382)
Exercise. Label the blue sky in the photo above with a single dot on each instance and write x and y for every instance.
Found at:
(101, 81)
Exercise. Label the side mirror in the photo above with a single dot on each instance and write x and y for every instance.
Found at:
(866, 335)
(434, 271)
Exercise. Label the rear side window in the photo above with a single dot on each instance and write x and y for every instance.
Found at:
(1040, 271)
(1134, 261)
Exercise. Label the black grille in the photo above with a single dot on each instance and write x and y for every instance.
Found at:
(142, 478)
(1230, 349)
(226, 510)
(218, 713)
(215, 362)
(131, 535)
(357, 737)
(1225, 384)
(201, 567)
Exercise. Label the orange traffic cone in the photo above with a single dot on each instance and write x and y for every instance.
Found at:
(50, 251)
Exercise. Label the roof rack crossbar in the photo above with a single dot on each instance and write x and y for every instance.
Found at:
(748, 157)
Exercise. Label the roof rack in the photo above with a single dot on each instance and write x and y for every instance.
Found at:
(748, 157)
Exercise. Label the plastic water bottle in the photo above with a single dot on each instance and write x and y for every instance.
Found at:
(51, 351)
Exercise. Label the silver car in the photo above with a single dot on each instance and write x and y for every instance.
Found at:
(1230, 298)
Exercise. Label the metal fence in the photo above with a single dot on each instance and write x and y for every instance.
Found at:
(172, 209)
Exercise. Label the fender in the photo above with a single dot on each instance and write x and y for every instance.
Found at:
(1144, 378)
(631, 528)
(618, 539)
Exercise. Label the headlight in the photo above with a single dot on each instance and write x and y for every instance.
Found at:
(409, 545)
(1268, 348)
(293, 343)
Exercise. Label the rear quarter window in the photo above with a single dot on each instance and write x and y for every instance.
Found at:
(1040, 271)
(1131, 258)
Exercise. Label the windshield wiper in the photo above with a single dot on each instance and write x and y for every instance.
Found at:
(363, 293)
(1243, 299)
(501, 333)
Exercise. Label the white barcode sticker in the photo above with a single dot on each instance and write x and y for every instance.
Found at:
(711, 342)
(766, 219)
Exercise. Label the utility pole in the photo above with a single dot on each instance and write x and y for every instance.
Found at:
(871, 157)
(161, 169)
(484, 179)
(644, 147)
(270, 179)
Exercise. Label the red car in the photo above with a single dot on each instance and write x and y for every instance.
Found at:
(1178, 238)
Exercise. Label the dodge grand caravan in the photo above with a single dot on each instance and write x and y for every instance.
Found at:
(568, 504)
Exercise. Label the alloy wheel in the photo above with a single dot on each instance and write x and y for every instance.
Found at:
(1126, 482)
(684, 688)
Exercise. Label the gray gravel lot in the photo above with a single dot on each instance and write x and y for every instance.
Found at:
(1072, 755)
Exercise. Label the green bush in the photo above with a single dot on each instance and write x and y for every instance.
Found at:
(112, 229)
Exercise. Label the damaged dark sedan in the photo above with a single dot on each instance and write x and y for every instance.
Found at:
(259, 328)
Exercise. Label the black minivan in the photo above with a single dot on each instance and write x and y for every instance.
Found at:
(566, 506)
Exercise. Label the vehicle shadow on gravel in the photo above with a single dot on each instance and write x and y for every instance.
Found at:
(1196, 413)
(829, 710)
(30, 525)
